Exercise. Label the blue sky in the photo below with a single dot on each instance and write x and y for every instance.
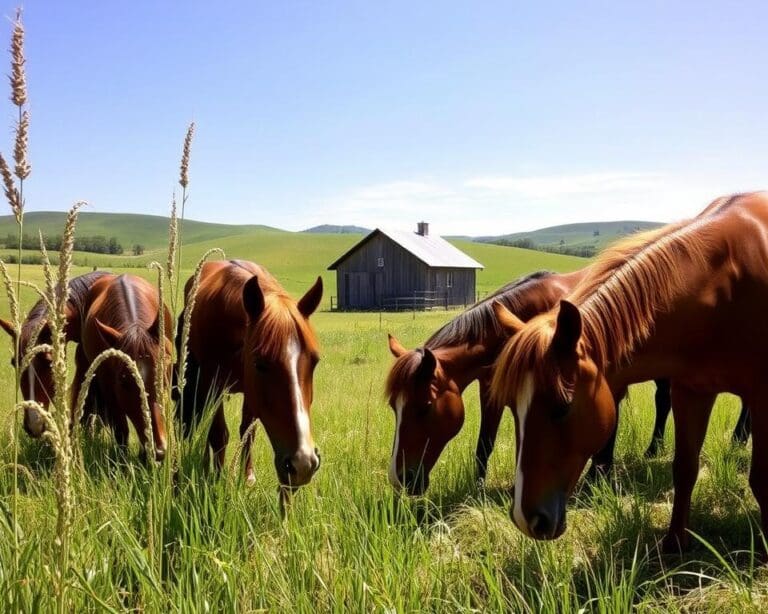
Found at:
(480, 117)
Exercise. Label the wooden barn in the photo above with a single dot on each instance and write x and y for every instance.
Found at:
(394, 269)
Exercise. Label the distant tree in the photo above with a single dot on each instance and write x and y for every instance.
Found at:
(114, 247)
(596, 232)
(138, 249)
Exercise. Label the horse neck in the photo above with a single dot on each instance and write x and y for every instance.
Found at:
(464, 363)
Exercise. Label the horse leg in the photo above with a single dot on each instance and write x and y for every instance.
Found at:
(602, 462)
(663, 400)
(81, 366)
(218, 437)
(690, 411)
(758, 473)
(247, 439)
(490, 417)
(743, 426)
(119, 424)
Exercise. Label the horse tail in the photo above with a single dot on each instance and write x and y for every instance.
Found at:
(186, 400)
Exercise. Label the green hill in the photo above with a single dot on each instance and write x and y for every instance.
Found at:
(151, 231)
(295, 258)
(593, 234)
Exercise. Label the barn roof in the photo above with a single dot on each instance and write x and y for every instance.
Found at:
(432, 250)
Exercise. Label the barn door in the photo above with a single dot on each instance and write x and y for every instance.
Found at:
(360, 291)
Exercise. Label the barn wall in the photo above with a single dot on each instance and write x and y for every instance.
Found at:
(463, 287)
(362, 284)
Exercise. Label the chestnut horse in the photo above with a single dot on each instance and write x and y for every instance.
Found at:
(36, 380)
(684, 302)
(123, 312)
(425, 385)
(247, 335)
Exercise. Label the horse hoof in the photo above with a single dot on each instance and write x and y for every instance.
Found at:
(652, 452)
(674, 544)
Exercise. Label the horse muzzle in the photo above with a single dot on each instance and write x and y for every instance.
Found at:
(546, 521)
(298, 469)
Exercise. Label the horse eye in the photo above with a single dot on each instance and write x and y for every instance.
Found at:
(261, 366)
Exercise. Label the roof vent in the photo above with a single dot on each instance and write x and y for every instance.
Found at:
(422, 229)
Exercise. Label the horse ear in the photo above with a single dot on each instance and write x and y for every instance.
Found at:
(428, 365)
(508, 320)
(253, 298)
(8, 328)
(309, 302)
(568, 330)
(110, 335)
(396, 347)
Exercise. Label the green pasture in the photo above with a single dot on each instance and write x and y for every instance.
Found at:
(348, 543)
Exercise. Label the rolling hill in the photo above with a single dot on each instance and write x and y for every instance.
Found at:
(149, 230)
(336, 229)
(595, 234)
(296, 258)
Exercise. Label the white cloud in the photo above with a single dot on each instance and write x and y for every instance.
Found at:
(548, 186)
(492, 205)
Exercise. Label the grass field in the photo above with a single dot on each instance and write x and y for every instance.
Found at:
(348, 543)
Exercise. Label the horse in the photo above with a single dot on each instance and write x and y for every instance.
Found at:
(425, 386)
(36, 379)
(248, 335)
(123, 312)
(684, 302)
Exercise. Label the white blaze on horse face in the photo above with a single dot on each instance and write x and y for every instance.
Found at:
(393, 479)
(306, 448)
(523, 404)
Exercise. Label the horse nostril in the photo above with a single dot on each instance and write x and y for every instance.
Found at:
(288, 466)
(316, 461)
(541, 524)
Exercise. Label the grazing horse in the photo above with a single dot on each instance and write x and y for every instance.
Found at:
(684, 302)
(425, 385)
(123, 313)
(247, 335)
(36, 380)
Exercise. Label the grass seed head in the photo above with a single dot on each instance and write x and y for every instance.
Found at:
(22, 168)
(184, 175)
(11, 193)
(18, 76)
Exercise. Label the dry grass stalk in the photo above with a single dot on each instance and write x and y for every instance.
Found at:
(173, 243)
(184, 173)
(181, 359)
(18, 75)
(11, 192)
(113, 353)
(13, 299)
(22, 168)
(237, 456)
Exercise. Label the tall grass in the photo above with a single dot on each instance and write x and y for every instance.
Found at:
(91, 528)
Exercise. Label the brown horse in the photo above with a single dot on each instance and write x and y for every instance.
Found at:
(36, 380)
(425, 385)
(123, 312)
(685, 302)
(247, 335)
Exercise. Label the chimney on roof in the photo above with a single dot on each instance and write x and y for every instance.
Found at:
(422, 229)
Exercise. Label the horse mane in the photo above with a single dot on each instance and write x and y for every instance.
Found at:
(135, 338)
(402, 371)
(79, 288)
(279, 320)
(474, 325)
(629, 284)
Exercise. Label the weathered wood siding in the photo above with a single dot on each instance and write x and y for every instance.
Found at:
(362, 284)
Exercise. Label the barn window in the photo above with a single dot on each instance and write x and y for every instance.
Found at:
(380, 262)
(449, 280)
